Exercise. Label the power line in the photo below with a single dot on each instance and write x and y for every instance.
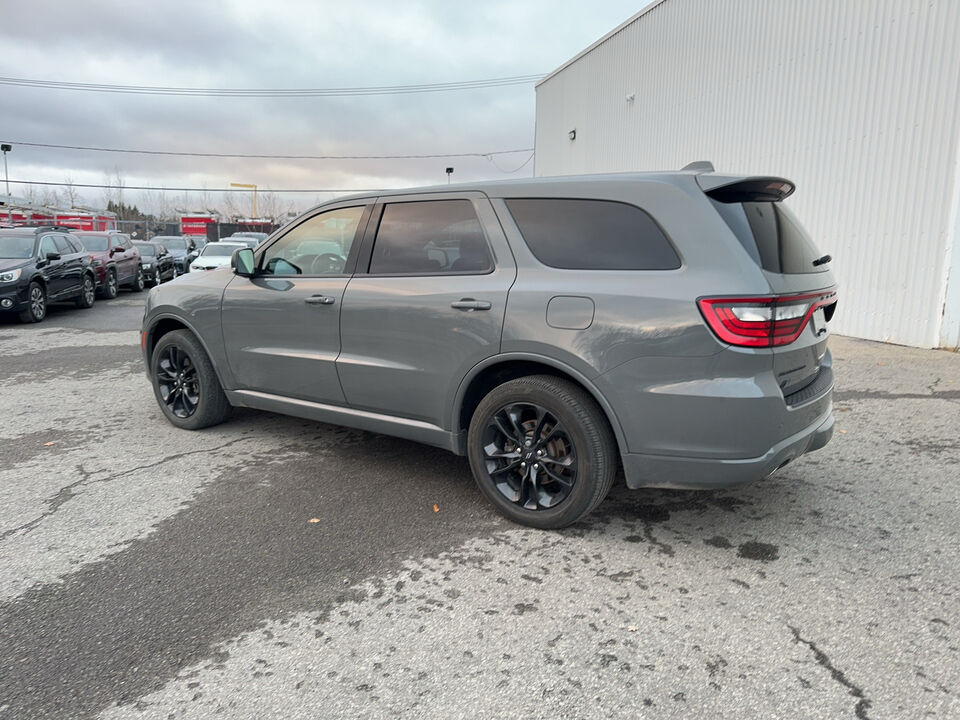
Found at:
(272, 157)
(185, 189)
(273, 93)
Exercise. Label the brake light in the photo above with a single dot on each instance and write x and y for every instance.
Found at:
(763, 321)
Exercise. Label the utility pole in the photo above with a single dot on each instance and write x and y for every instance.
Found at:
(252, 187)
(6, 148)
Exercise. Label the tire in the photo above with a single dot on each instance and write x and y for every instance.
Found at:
(138, 284)
(560, 435)
(110, 288)
(37, 308)
(88, 292)
(197, 401)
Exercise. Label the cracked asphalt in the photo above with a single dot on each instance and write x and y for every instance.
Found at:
(278, 568)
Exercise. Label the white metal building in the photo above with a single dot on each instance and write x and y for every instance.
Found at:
(857, 102)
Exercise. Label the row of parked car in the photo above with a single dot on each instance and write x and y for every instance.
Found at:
(42, 265)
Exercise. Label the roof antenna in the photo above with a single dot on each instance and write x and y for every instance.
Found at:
(699, 166)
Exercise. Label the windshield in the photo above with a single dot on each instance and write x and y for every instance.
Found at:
(16, 246)
(218, 250)
(93, 243)
(175, 243)
(147, 250)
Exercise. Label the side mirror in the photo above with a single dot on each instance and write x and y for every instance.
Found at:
(242, 262)
(53, 256)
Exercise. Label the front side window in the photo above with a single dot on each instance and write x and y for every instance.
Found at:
(318, 246)
(579, 234)
(430, 238)
(64, 246)
(47, 246)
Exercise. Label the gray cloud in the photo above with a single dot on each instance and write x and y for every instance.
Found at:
(281, 45)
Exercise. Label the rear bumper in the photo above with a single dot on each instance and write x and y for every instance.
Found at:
(666, 471)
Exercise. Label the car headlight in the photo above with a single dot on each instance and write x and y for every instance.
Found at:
(147, 266)
(10, 275)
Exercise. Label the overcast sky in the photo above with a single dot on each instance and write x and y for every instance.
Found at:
(259, 44)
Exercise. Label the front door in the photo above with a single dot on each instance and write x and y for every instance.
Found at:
(429, 307)
(281, 328)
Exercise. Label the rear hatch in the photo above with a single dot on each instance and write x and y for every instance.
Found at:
(793, 319)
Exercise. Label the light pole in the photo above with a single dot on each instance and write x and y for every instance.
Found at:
(6, 148)
(254, 188)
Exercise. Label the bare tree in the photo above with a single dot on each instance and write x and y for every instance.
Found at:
(71, 196)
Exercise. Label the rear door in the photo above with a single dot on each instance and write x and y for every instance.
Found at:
(426, 305)
(124, 257)
(281, 328)
(796, 270)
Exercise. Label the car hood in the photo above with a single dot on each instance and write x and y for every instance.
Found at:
(13, 263)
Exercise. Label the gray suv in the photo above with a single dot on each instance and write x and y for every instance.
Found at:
(552, 330)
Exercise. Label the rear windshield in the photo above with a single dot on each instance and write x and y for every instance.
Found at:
(592, 235)
(218, 250)
(772, 236)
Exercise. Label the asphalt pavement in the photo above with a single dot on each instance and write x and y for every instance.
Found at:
(277, 568)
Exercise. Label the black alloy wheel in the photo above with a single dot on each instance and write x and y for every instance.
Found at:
(185, 384)
(178, 382)
(529, 456)
(37, 304)
(88, 292)
(542, 451)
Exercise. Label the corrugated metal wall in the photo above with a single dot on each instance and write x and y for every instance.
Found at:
(858, 102)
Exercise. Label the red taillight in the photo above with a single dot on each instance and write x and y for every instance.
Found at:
(762, 321)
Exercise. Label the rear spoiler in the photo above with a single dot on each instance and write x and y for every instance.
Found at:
(726, 189)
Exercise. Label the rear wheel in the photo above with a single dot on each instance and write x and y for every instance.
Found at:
(88, 292)
(185, 384)
(37, 304)
(541, 451)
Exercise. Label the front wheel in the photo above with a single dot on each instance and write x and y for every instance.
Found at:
(36, 304)
(541, 451)
(185, 384)
(88, 293)
(110, 287)
(138, 283)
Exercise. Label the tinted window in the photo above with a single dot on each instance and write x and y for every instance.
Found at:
(426, 238)
(592, 235)
(64, 246)
(772, 236)
(318, 246)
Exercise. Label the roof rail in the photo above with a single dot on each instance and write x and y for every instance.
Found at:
(699, 166)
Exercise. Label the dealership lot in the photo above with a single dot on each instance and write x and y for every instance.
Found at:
(273, 567)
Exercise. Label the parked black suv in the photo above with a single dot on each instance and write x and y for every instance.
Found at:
(43, 265)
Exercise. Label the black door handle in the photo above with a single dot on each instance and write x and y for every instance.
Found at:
(469, 304)
(319, 300)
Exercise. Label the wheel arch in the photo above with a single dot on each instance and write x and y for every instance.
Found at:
(166, 323)
(497, 370)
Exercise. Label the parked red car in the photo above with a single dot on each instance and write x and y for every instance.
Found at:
(115, 260)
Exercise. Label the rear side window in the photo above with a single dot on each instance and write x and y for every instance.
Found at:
(430, 238)
(772, 236)
(592, 235)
